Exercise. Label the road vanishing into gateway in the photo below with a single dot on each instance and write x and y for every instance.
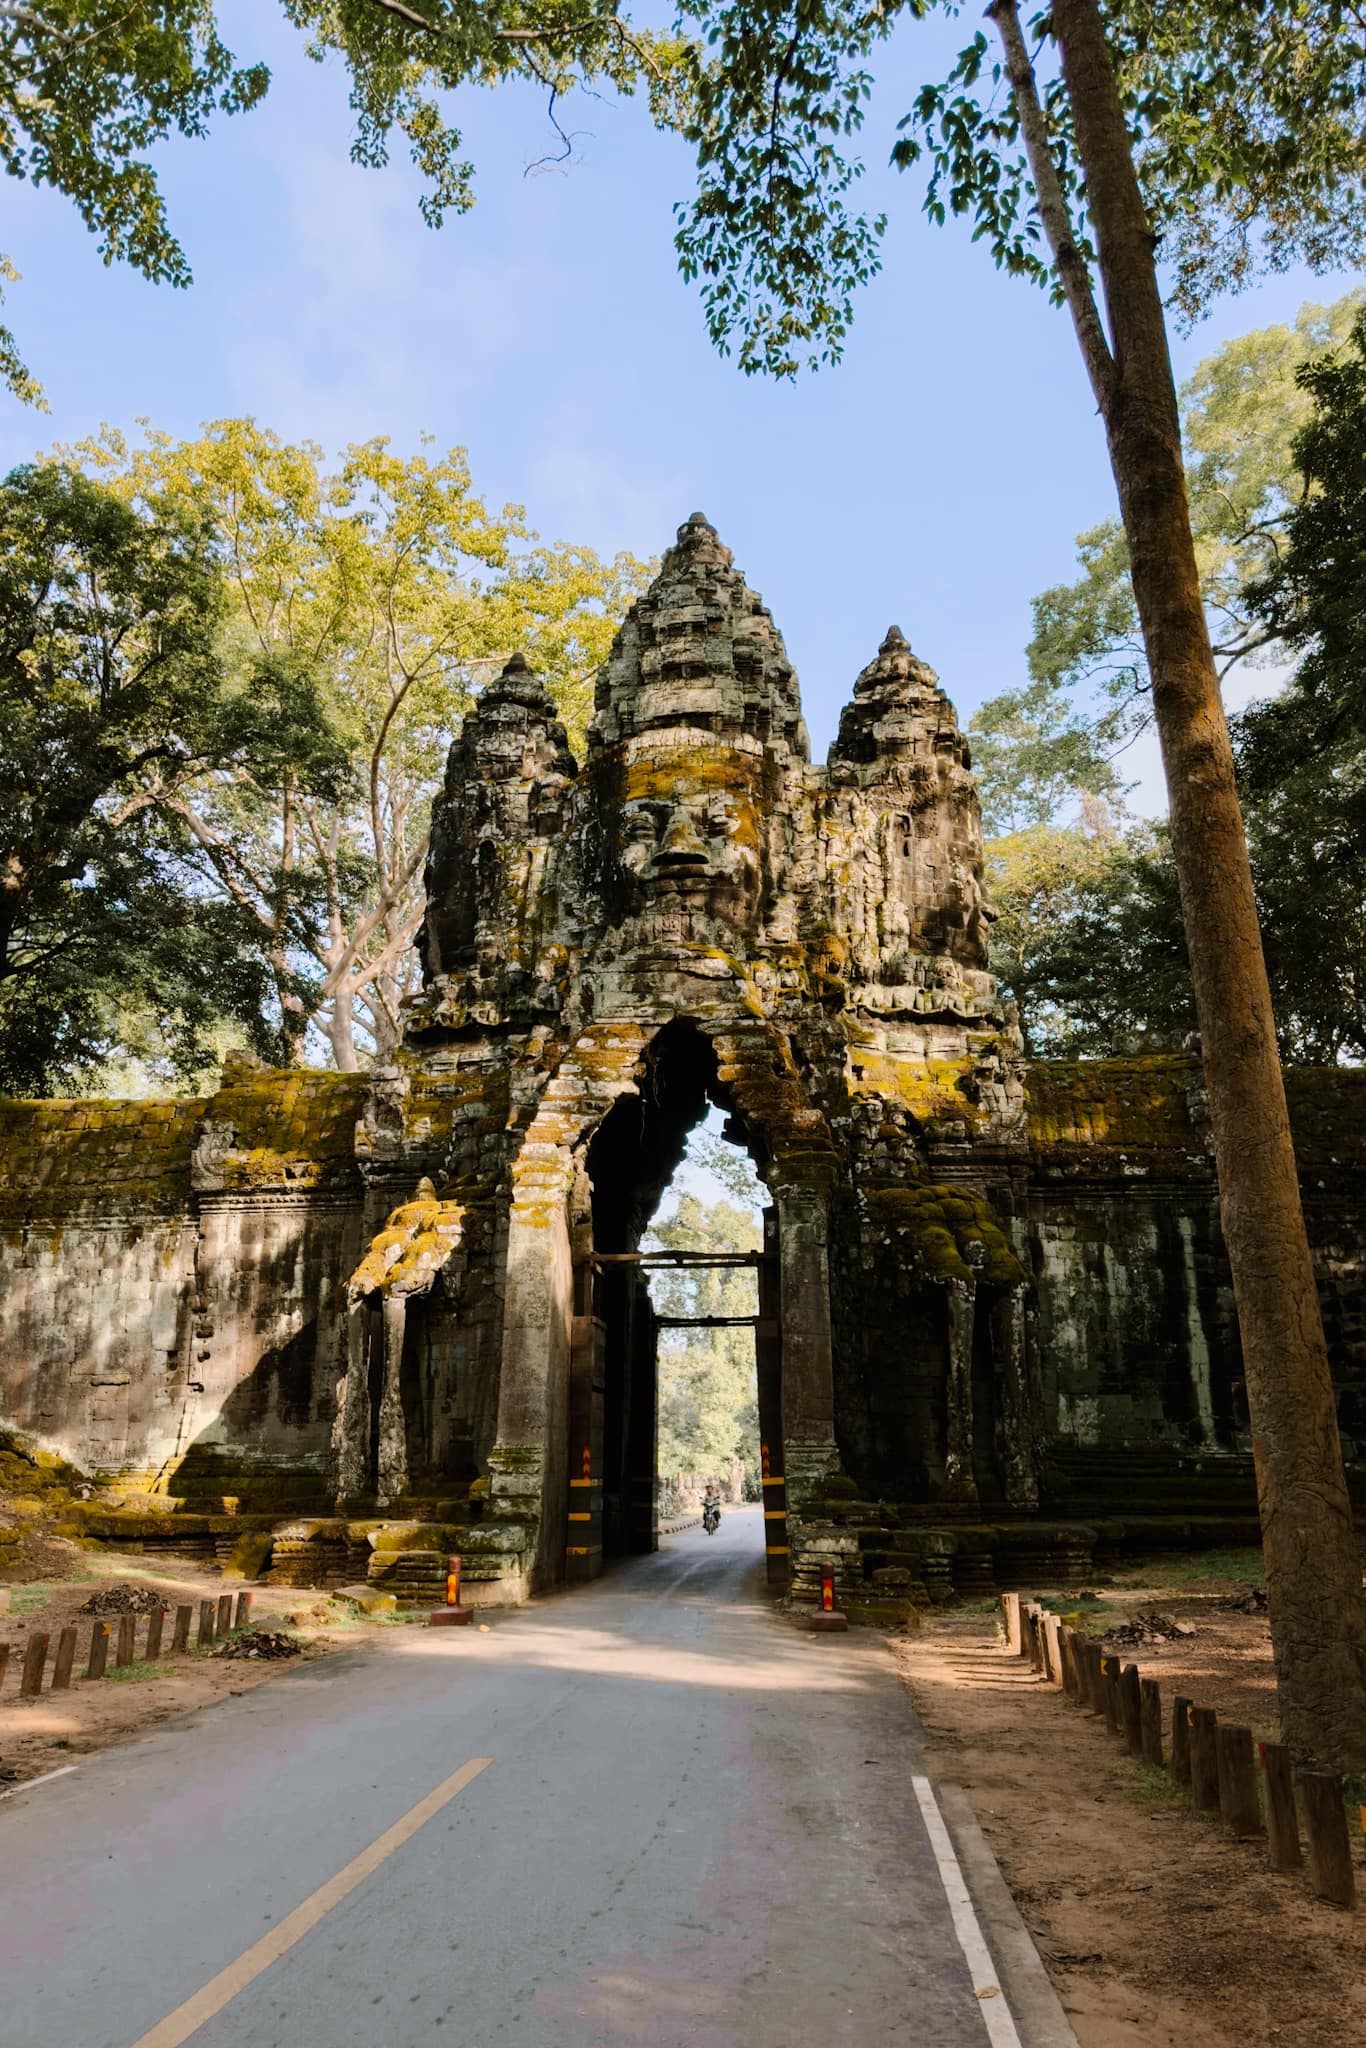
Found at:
(649, 1811)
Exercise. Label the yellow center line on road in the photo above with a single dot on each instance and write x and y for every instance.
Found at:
(196, 2012)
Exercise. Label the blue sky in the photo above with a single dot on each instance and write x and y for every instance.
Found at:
(937, 478)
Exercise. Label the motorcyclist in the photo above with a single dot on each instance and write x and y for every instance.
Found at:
(711, 1508)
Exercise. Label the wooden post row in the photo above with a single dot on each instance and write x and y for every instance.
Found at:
(1330, 1849)
(35, 1659)
(1109, 1673)
(1282, 1820)
(1203, 1758)
(1131, 1709)
(99, 1650)
(66, 1657)
(1239, 1806)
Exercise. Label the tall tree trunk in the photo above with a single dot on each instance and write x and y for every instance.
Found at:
(1314, 1577)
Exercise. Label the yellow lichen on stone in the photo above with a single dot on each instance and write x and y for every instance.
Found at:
(406, 1256)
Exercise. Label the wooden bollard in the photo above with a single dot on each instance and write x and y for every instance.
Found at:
(1131, 1708)
(242, 1615)
(128, 1640)
(1181, 1739)
(1029, 1623)
(1010, 1609)
(35, 1662)
(65, 1658)
(1282, 1820)
(1204, 1758)
(1109, 1674)
(1239, 1806)
(156, 1622)
(1330, 1848)
(180, 1634)
(1052, 1631)
(206, 1614)
(1071, 1676)
(99, 1650)
(4, 1663)
(1093, 1692)
(225, 1614)
(1150, 1721)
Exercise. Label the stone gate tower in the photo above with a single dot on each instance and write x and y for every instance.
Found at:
(375, 1316)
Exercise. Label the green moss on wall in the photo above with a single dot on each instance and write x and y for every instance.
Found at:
(951, 1233)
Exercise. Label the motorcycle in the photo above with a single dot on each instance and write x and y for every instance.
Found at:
(711, 1517)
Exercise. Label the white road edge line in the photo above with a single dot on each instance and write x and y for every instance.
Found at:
(46, 1779)
(991, 1999)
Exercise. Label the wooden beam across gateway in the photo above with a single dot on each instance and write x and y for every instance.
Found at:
(678, 1258)
(764, 1326)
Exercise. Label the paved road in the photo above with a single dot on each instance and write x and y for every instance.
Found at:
(697, 1827)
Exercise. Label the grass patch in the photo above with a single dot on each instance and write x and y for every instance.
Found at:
(27, 1599)
(1189, 1568)
(1148, 1787)
(139, 1668)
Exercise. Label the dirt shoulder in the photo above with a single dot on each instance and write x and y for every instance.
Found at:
(1155, 1925)
(47, 1593)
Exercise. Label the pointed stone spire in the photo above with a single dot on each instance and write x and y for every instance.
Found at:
(511, 729)
(898, 714)
(699, 652)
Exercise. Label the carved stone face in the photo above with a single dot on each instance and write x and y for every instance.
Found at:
(688, 836)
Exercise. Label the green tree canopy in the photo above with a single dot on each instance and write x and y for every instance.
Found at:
(390, 582)
(111, 678)
(87, 87)
(1089, 937)
(1241, 411)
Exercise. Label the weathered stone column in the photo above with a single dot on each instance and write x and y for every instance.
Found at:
(351, 1430)
(528, 1463)
(807, 1363)
(959, 1480)
(392, 1464)
(1020, 1424)
(769, 1374)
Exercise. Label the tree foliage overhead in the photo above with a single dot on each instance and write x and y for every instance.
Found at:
(88, 87)
(1246, 121)
(229, 676)
(1089, 939)
(393, 587)
(1241, 410)
(111, 681)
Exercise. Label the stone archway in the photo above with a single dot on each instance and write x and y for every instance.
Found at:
(592, 1163)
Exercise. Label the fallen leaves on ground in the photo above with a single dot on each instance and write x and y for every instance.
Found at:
(1150, 1628)
(122, 1599)
(261, 1642)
